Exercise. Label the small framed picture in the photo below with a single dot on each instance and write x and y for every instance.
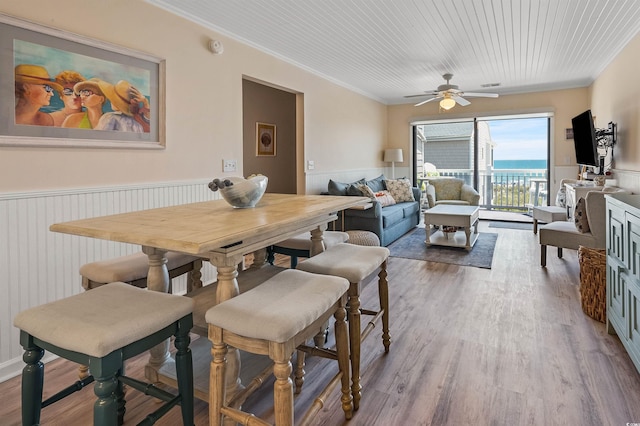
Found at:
(265, 140)
(568, 133)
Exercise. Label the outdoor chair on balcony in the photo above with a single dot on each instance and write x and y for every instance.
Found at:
(451, 191)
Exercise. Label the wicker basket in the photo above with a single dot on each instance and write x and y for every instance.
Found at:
(593, 282)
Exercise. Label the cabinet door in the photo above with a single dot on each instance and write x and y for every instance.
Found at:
(616, 296)
(633, 245)
(633, 322)
(615, 232)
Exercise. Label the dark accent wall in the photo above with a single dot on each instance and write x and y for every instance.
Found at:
(265, 104)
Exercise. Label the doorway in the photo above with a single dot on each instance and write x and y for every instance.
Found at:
(277, 109)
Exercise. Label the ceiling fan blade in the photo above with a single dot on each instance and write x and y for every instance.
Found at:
(423, 94)
(425, 101)
(481, 95)
(460, 100)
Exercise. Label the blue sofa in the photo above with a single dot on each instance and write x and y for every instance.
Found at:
(390, 222)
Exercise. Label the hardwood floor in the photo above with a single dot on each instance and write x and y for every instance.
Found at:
(470, 346)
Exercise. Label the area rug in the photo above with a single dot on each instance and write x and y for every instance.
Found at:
(412, 246)
(512, 225)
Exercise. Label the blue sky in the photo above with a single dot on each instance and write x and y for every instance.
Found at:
(519, 139)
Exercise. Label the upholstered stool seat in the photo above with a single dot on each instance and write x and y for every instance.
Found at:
(356, 263)
(363, 238)
(547, 214)
(133, 269)
(102, 328)
(274, 319)
(300, 245)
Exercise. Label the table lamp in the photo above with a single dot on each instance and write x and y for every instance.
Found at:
(392, 156)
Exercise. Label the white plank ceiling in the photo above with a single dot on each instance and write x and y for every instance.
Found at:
(389, 49)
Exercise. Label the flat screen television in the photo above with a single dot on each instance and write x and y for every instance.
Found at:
(584, 140)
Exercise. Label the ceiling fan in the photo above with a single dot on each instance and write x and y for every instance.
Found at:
(450, 95)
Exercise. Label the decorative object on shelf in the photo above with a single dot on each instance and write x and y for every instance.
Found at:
(449, 231)
(240, 192)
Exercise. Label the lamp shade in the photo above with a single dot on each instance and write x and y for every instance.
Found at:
(447, 103)
(393, 155)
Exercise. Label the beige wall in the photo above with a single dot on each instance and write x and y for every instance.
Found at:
(615, 96)
(564, 104)
(342, 129)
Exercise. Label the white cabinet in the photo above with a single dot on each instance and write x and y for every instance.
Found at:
(623, 271)
(576, 191)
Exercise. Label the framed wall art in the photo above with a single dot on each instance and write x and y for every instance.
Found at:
(265, 140)
(59, 89)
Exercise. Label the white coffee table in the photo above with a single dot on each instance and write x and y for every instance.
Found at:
(462, 217)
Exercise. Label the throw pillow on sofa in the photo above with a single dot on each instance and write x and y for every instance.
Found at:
(400, 190)
(384, 198)
(377, 184)
(339, 188)
(366, 191)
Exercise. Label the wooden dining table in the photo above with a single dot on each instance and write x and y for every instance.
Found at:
(218, 232)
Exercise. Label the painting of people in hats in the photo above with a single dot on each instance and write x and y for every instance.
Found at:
(92, 99)
(130, 108)
(70, 99)
(80, 96)
(33, 90)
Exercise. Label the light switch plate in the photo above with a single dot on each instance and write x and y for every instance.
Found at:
(310, 165)
(229, 165)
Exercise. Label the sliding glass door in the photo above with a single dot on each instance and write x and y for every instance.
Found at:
(505, 158)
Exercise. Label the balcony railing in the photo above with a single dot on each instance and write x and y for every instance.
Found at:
(505, 189)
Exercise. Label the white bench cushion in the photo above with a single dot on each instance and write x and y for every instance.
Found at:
(349, 261)
(129, 268)
(279, 308)
(303, 241)
(107, 318)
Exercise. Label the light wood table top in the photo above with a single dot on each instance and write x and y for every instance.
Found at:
(198, 228)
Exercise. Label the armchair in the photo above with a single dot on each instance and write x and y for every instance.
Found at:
(564, 234)
(450, 191)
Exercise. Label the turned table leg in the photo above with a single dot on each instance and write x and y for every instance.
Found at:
(157, 280)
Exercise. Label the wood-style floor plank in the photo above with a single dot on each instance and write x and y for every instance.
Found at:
(470, 346)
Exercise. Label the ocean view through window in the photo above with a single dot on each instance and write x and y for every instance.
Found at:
(504, 158)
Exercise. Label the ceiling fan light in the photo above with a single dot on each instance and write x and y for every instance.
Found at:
(447, 103)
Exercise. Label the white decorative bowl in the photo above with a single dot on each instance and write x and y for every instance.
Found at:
(245, 193)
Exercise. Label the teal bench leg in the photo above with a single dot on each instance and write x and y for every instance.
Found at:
(32, 384)
(184, 371)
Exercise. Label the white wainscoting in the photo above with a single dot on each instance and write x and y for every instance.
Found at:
(39, 266)
(317, 182)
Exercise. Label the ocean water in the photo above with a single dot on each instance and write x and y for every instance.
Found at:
(519, 164)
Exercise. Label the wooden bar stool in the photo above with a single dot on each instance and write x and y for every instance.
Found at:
(355, 263)
(274, 319)
(133, 268)
(102, 328)
(300, 245)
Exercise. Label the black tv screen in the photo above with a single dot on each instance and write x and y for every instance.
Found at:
(584, 139)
